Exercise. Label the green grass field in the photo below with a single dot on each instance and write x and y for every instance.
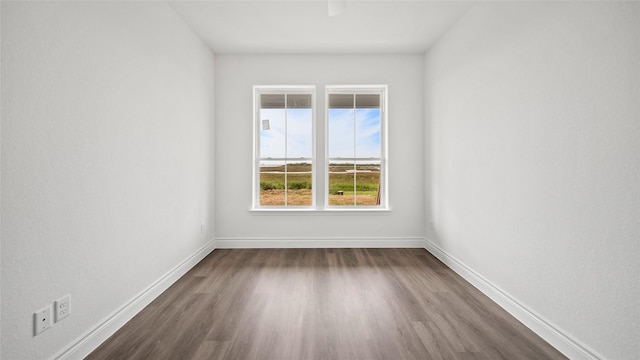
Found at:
(299, 184)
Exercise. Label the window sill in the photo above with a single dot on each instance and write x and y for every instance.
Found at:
(315, 212)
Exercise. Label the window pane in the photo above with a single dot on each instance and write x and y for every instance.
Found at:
(340, 101)
(299, 133)
(299, 184)
(367, 101)
(341, 186)
(272, 101)
(341, 141)
(368, 133)
(299, 101)
(272, 183)
(367, 182)
(272, 133)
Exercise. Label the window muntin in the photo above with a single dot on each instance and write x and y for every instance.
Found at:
(356, 147)
(284, 147)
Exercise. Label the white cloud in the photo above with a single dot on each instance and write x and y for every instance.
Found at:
(298, 134)
(341, 133)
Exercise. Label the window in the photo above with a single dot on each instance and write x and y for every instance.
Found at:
(353, 171)
(356, 147)
(284, 167)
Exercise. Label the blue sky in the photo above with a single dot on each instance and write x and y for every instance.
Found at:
(341, 129)
(299, 131)
(367, 129)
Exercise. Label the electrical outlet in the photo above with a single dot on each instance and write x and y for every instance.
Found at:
(41, 320)
(62, 307)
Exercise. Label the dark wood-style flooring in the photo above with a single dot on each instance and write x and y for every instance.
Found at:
(323, 304)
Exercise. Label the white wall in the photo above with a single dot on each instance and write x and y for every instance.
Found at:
(534, 124)
(107, 160)
(235, 77)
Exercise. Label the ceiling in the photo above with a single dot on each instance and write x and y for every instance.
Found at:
(304, 27)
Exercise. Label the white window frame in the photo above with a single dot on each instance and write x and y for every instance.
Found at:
(382, 90)
(282, 89)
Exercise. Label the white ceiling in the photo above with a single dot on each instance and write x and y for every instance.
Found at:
(304, 27)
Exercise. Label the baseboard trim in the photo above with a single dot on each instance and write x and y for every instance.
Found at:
(319, 242)
(90, 340)
(558, 338)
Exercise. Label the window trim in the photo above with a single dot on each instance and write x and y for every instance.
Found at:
(281, 89)
(382, 90)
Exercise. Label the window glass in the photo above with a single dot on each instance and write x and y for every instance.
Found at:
(355, 166)
(285, 147)
(355, 147)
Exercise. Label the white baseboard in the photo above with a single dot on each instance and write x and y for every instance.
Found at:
(89, 341)
(319, 242)
(558, 338)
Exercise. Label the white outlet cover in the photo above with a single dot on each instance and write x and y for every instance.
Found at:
(41, 320)
(62, 307)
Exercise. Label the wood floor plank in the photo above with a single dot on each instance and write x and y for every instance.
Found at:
(323, 304)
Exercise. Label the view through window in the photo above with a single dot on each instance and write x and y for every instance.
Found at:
(354, 168)
(285, 159)
(355, 175)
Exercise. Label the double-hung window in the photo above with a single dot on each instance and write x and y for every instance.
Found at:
(356, 147)
(284, 147)
(354, 167)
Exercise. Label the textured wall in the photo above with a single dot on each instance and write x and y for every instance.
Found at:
(235, 77)
(107, 160)
(534, 123)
